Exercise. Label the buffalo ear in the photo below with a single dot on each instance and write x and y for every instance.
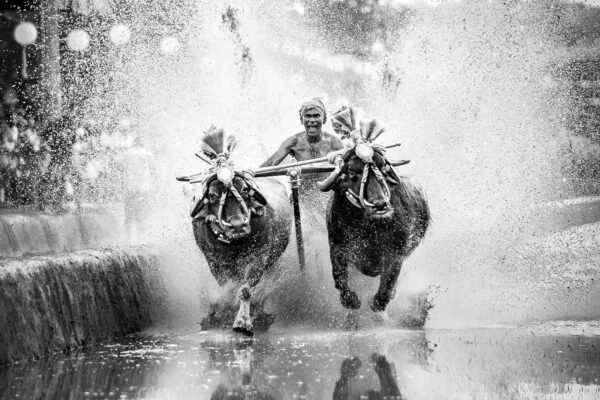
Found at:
(256, 195)
(391, 181)
(257, 208)
(258, 211)
(199, 206)
(197, 203)
(199, 199)
(200, 212)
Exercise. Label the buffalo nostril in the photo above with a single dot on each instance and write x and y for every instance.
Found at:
(237, 222)
(379, 204)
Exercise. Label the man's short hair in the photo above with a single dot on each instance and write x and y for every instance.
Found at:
(315, 102)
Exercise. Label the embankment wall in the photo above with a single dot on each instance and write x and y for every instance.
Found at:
(53, 303)
(67, 281)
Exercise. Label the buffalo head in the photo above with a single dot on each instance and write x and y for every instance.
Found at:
(228, 201)
(366, 178)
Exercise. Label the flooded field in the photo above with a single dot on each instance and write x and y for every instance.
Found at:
(558, 360)
(497, 107)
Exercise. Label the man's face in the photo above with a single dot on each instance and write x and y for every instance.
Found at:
(312, 119)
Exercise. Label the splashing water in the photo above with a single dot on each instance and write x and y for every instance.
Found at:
(481, 110)
(478, 110)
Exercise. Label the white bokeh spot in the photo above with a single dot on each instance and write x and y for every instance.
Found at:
(25, 33)
(119, 34)
(169, 45)
(78, 40)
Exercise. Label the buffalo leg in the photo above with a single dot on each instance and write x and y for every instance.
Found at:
(243, 321)
(387, 286)
(348, 370)
(254, 273)
(339, 263)
(383, 369)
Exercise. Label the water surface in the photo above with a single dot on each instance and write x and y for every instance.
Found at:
(558, 360)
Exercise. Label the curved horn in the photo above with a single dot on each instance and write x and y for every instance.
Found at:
(326, 185)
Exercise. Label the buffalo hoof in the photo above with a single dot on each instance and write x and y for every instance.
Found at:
(380, 315)
(243, 326)
(350, 300)
(243, 331)
(376, 305)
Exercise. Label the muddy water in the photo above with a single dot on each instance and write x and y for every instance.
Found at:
(558, 360)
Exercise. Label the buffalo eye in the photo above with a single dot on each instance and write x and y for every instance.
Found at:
(352, 175)
(213, 198)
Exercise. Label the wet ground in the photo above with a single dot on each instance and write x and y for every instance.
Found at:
(559, 360)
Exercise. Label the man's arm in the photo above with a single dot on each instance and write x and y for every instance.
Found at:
(281, 153)
(336, 143)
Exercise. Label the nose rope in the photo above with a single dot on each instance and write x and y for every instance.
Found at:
(240, 200)
(359, 200)
(382, 181)
(363, 183)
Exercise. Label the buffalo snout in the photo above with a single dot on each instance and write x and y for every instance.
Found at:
(237, 223)
(379, 204)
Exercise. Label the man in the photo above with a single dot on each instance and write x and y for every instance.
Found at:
(311, 143)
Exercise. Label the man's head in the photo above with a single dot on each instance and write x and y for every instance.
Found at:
(313, 115)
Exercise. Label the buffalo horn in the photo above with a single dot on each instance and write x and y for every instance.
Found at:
(325, 185)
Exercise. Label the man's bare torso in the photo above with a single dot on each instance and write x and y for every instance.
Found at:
(301, 149)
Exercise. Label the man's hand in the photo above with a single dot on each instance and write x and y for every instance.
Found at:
(336, 157)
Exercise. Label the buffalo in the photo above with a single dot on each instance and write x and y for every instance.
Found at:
(242, 226)
(375, 218)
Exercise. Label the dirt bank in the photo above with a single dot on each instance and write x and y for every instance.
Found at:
(53, 303)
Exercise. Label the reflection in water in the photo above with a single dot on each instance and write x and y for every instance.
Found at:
(546, 361)
(243, 364)
(383, 369)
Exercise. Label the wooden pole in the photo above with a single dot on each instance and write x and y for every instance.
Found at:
(300, 163)
(295, 185)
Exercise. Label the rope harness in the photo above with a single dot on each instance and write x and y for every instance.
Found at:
(243, 206)
(224, 172)
(359, 200)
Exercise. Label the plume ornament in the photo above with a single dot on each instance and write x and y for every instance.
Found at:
(215, 142)
(371, 130)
